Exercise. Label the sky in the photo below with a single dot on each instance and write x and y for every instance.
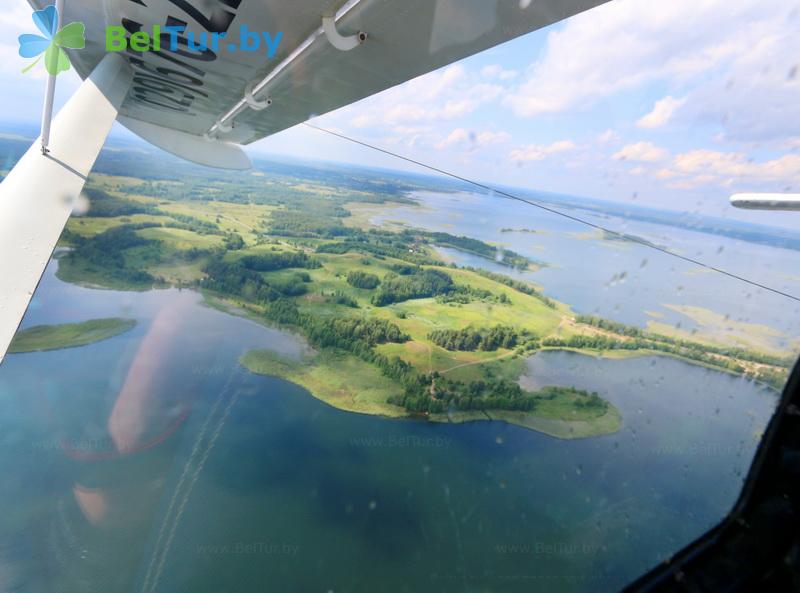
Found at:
(673, 104)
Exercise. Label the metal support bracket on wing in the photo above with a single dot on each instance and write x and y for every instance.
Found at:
(37, 196)
(328, 29)
(254, 103)
(339, 41)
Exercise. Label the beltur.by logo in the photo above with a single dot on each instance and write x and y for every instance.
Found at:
(54, 40)
(72, 36)
(117, 40)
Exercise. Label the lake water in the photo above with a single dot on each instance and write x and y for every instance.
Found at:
(234, 482)
(618, 280)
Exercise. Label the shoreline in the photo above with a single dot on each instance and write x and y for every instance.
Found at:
(329, 377)
(48, 338)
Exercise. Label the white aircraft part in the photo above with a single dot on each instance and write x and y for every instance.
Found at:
(37, 197)
(50, 91)
(338, 40)
(254, 103)
(766, 201)
(200, 150)
(308, 76)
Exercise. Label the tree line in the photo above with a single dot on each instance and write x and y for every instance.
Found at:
(104, 252)
(732, 352)
(422, 284)
(359, 279)
(470, 339)
(279, 260)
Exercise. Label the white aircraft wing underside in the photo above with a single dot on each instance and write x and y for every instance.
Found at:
(190, 91)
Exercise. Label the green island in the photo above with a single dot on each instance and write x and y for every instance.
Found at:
(394, 329)
(69, 335)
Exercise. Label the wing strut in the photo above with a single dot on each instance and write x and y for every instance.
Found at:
(37, 196)
(50, 91)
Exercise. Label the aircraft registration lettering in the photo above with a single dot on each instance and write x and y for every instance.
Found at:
(156, 84)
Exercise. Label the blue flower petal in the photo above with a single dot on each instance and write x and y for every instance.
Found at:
(31, 46)
(47, 21)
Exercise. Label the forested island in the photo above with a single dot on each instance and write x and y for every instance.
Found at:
(396, 331)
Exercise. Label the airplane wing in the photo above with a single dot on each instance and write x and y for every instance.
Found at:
(189, 97)
(187, 91)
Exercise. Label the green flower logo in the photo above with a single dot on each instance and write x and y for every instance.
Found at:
(52, 45)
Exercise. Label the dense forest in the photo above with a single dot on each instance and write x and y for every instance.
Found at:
(437, 395)
(234, 278)
(279, 260)
(359, 279)
(469, 339)
(340, 298)
(103, 205)
(105, 253)
(421, 284)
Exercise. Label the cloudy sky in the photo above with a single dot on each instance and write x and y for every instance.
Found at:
(675, 104)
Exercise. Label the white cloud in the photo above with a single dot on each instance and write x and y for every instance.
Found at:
(702, 167)
(497, 71)
(642, 152)
(724, 56)
(608, 136)
(487, 138)
(661, 114)
(538, 152)
(473, 140)
(665, 174)
(17, 16)
(457, 136)
(446, 94)
(711, 165)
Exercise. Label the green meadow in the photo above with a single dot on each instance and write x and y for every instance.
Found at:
(395, 329)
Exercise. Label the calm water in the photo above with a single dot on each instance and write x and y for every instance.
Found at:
(619, 280)
(240, 483)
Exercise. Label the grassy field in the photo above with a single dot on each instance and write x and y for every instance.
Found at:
(89, 226)
(559, 421)
(176, 239)
(339, 380)
(70, 335)
(608, 423)
(349, 384)
(181, 239)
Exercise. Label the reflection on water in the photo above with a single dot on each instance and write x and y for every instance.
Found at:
(153, 462)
